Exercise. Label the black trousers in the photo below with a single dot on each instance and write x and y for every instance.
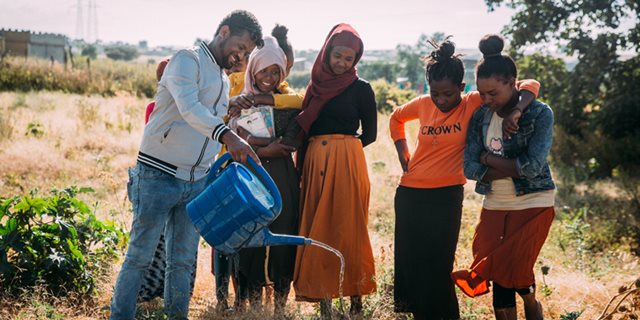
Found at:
(426, 235)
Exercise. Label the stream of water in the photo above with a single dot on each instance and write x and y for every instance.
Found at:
(337, 253)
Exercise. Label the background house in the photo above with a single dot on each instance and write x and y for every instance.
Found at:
(24, 43)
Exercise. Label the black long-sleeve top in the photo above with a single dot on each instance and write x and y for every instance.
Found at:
(347, 111)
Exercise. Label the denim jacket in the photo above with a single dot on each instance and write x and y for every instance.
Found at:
(529, 147)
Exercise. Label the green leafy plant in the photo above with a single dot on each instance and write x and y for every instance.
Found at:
(546, 289)
(55, 241)
(573, 315)
(34, 129)
(389, 96)
(576, 233)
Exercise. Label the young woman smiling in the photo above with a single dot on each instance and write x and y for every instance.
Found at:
(258, 267)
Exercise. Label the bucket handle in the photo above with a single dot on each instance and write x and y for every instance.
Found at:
(213, 172)
(262, 175)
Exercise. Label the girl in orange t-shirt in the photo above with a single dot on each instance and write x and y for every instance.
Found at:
(428, 202)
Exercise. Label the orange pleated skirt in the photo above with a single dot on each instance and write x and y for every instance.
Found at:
(334, 210)
(506, 245)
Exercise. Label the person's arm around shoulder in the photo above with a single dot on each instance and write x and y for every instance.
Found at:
(531, 163)
(529, 90)
(287, 98)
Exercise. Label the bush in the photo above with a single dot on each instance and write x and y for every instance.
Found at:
(598, 118)
(90, 51)
(389, 96)
(54, 241)
(374, 70)
(299, 80)
(121, 52)
(104, 77)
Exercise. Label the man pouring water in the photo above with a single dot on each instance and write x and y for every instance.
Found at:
(184, 133)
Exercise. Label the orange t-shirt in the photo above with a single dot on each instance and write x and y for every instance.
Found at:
(437, 160)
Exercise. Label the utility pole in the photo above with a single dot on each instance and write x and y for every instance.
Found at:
(87, 30)
(95, 21)
(92, 21)
(79, 21)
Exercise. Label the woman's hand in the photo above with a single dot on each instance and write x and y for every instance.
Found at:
(237, 103)
(243, 133)
(403, 154)
(484, 156)
(510, 123)
(233, 112)
(276, 149)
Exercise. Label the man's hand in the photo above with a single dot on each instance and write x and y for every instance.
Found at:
(276, 149)
(238, 148)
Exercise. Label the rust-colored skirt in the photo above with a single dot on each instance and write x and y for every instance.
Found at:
(505, 248)
(334, 205)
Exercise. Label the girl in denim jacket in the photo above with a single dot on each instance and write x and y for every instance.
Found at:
(514, 177)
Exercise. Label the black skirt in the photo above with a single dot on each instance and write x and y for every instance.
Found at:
(426, 235)
(281, 259)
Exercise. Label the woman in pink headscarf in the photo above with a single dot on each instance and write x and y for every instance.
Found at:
(335, 180)
(258, 267)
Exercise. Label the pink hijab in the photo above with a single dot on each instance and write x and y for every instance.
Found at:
(260, 58)
(324, 84)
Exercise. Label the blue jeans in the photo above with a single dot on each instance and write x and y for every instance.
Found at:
(159, 200)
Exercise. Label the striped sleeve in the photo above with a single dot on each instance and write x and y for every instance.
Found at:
(219, 131)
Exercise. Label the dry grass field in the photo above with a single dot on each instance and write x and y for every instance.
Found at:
(56, 140)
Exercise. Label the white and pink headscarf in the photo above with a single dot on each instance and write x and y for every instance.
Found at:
(260, 58)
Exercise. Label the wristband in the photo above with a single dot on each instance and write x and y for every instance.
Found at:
(249, 138)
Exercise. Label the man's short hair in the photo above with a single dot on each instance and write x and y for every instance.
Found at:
(242, 20)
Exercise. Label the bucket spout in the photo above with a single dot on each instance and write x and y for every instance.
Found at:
(265, 238)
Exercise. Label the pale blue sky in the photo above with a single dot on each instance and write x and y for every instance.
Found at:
(382, 24)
